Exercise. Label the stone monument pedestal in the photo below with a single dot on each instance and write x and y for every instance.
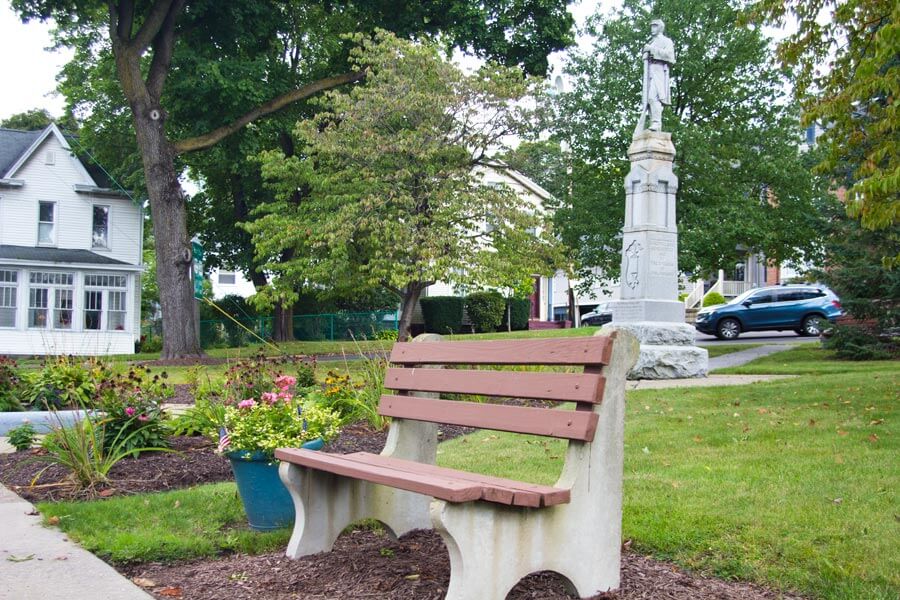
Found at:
(649, 308)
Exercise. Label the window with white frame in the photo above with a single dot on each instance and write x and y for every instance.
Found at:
(9, 288)
(227, 278)
(47, 223)
(100, 227)
(105, 302)
(50, 300)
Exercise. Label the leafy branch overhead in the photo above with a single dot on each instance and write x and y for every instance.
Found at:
(395, 173)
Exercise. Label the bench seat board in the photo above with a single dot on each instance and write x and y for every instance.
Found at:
(566, 424)
(562, 387)
(580, 351)
(439, 482)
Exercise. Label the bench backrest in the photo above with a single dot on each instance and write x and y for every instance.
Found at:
(585, 388)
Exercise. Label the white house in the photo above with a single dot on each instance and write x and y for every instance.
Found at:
(70, 251)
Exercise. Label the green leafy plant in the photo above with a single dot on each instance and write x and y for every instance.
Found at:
(64, 382)
(713, 298)
(485, 310)
(278, 419)
(204, 418)
(86, 449)
(860, 343)
(389, 335)
(9, 385)
(22, 437)
(519, 312)
(132, 407)
(248, 378)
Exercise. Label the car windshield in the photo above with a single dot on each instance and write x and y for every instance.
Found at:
(744, 296)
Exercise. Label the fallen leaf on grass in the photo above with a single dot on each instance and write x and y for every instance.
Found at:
(107, 493)
(876, 422)
(172, 592)
(762, 411)
(698, 439)
(873, 438)
(53, 520)
(144, 582)
(841, 432)
(837, 500)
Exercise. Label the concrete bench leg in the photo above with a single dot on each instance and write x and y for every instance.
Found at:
(492, 547)
(326, 504)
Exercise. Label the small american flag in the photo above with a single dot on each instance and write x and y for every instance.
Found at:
(224, 440)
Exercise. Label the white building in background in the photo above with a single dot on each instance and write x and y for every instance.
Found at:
(70, 251)
(230, 283)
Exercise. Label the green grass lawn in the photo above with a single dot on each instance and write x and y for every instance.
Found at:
(201, 521)
(792, 484)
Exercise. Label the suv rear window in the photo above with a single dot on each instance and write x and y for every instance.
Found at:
(796, 295)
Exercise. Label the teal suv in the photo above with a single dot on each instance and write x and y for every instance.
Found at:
(804, 309)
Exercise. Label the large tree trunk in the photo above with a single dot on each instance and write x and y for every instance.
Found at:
(173, 248)
(283, 326)
(408, 305)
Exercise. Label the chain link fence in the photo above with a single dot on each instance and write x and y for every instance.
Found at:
(244, 331)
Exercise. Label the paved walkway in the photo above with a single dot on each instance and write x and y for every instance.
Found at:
(736, 359)
(40, 563)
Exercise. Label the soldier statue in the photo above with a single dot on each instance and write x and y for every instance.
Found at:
(658, 54)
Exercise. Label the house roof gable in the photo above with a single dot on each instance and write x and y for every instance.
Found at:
(57, 255)
(14, 144)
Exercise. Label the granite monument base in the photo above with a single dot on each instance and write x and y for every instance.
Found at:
(667, 350)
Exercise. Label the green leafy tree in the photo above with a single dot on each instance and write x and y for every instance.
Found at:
(38, 118)
(395, 195)
(848, 79)
(743, 186)
(146, 62)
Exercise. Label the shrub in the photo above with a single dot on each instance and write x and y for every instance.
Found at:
(22, 437)
(149, 343)
(713, 298)
(443, 314)
(64, 382)
(389, 335)
(520, 311)
(485, 310)
(9, 385)
(858, 343)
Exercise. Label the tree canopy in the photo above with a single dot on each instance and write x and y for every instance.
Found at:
(846, 56)
(744, 186)
(179, 76)
(393, 178)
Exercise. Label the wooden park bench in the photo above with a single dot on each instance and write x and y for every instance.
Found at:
(496, 530)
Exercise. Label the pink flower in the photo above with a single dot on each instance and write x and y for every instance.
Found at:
(286, 396)
(247, 403)
(143, 417)
(129, 410)
(285, 381)
(269, 397)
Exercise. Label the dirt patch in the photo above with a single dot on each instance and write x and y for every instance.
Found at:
(365, 564)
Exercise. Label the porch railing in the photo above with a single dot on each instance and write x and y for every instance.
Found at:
(693, 299)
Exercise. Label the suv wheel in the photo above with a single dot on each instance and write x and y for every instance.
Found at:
(728, 329)
(812, 325)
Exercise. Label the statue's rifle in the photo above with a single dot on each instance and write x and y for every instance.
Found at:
(645, 84)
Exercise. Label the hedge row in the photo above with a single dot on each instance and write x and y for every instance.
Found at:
(488, 311)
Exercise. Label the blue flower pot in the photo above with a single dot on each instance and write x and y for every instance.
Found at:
(266, 501)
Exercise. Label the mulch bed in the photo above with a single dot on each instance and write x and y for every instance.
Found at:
(363, 564)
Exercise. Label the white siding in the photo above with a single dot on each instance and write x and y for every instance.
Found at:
(88, 343)
(74, 211)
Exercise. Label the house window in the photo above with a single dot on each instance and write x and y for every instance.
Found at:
(46, 223)
(105, 302)
(100, 227)
(8, 293)
(226, 278)
(50, 291)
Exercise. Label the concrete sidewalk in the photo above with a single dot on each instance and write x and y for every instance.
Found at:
(736, 359)
(40, 563)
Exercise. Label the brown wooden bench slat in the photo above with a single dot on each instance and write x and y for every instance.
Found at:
(431, 480)
(451, 490)
(580, 351)
(566, 424)
(563, 387)
(523, 493)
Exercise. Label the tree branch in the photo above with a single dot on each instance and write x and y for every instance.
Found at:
(155, 19)
(163, 45)
(207, 140)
